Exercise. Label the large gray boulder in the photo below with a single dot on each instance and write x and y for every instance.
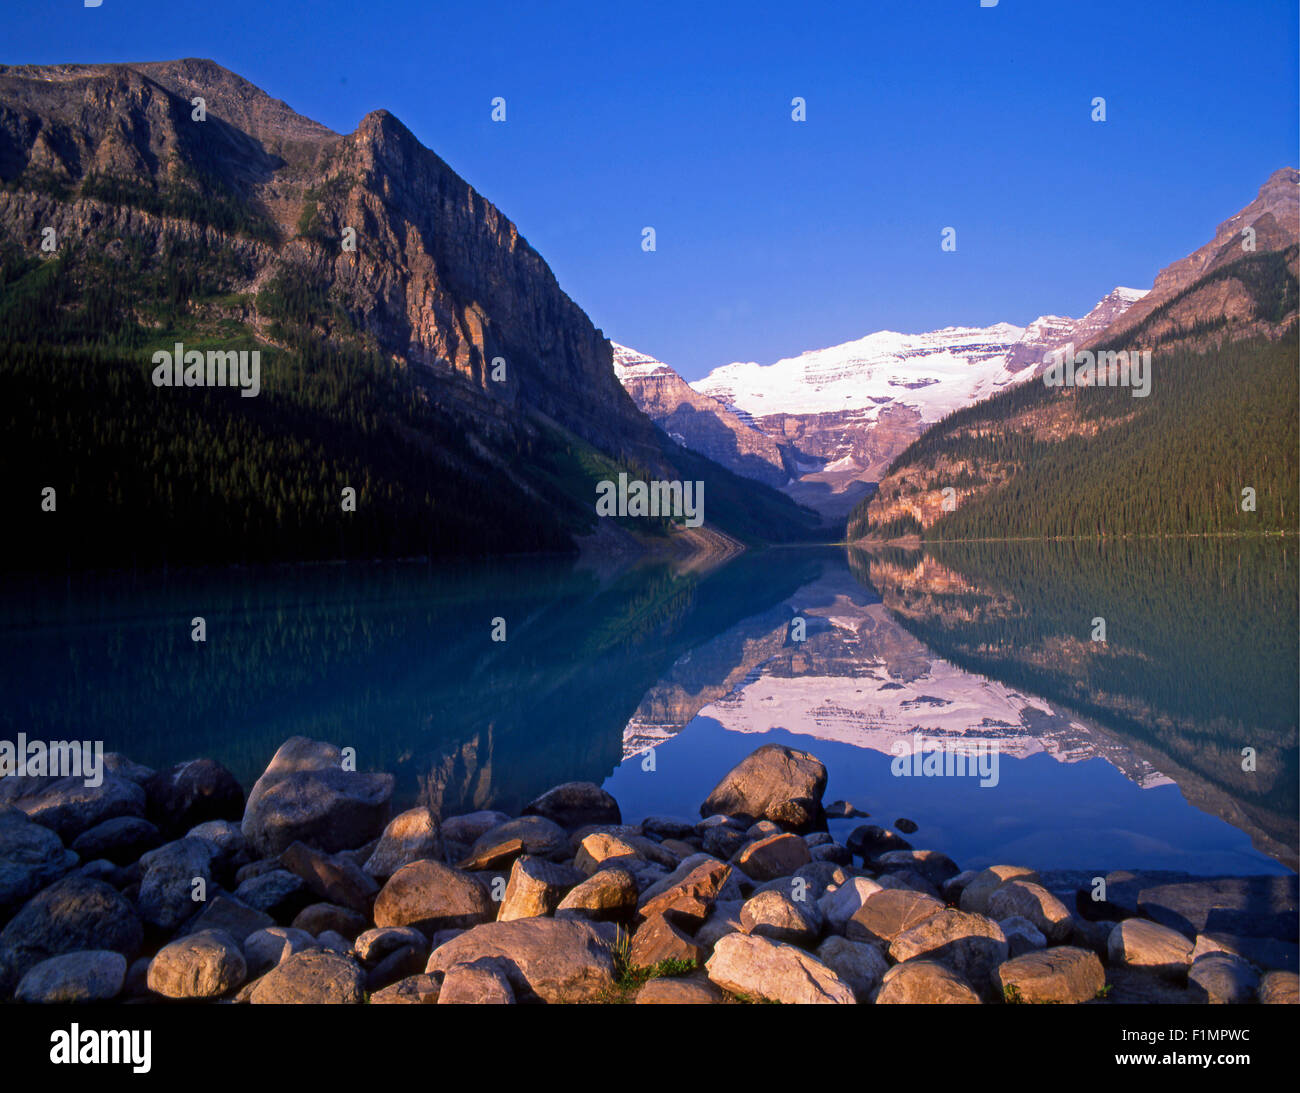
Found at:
(202, 965)
(167, 889)
(556, 960)
(31, 857)
(305, 795)
(971, 945)
(574, 804)
(192, 793)
(774, 783)
(314, 977)
(431, 896)
(72, 914)
(924, 983)
(410, 836)
(1138, 943)
(95, 976)
(759, 968)
(1062, 975)
(68, 806)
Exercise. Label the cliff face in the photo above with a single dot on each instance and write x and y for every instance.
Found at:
(439, 276)
(698, 422)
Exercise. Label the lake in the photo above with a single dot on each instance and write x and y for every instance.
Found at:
(653, 678)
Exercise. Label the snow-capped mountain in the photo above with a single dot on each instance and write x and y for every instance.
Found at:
(836, 417)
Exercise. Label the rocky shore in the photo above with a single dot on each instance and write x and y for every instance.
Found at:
(170, 885)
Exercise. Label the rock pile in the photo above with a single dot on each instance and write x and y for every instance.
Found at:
(169, 885)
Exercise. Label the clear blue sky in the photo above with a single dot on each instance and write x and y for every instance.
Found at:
(776, 236)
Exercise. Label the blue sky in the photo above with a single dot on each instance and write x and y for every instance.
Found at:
(775, 236)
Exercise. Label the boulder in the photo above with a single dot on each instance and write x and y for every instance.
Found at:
(400, 964)
(906, 826)
(278, 893)
(657, 940)
(1266, 953)
(971, 945)
(482, 982)
(202, 965)
(774, 783)
(305, 795)
(840, 904)
(775, 915)
(31, 857)
(409, 837)
(688, 893)
(73, 914)
(498, 848)
(1022, 936)
(600, 847)
(413, 990)
(924, 983)
(574, 804)
(536, 887)
(264, 949)
(121, 840)
(975, 895)
(313, 977)
(1034, 902)
(229, 847)
(431, 897)
(724, 920)
(68, 806)
(833, 853)
(192, 793)
(680, 991)
(773, 856)
(229, 915)
(759, 968)
(860, 964)
(936, 868)
(335, 879)
(1061, 974)
(1138, 943)
(722, 841)
(1225, 979)
(459, 833)
(909, 880)
(1279, 989)
(870, 841)
(888, 913)
(317, 918)
(94, 976)
(556, 960)
(372, 946)
(667, 827)
(609, 895)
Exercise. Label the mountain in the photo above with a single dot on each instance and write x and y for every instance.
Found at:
(436, 367)
(698, 422)
(836, 417)
(1218, 417)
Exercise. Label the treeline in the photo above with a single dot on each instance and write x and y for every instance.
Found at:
(1199, 652)
(1173, 463)
(145, 475)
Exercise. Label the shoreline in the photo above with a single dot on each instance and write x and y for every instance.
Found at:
(162, 886)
